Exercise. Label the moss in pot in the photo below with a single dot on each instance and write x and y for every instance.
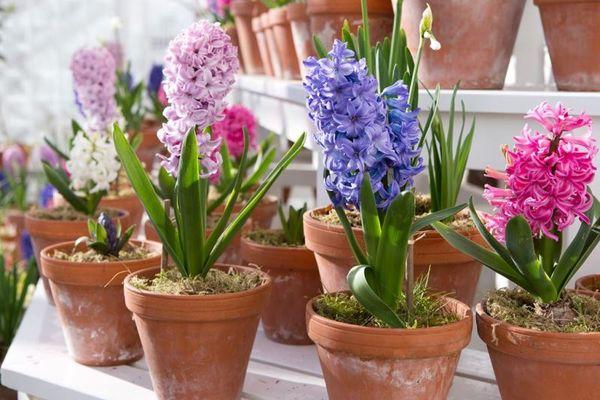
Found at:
(282, 254)
(86, 278)
(543, 339)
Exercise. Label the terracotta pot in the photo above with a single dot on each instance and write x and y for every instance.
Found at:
(327, 18)
(295, 281)
(263, 49)
(97, 326)
(571, 31)
(477, 40)
(150, 145)
(46, 232)
(588, 285)
(450, 272)
(272, 46)
(265, 211)
(530, 364)
(16, 218)
(130, 203)
(284, 42)
(243, 11)
(301, 34)
(361, 362)
(196, 347)
(232, 33)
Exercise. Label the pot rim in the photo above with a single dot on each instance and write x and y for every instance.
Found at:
(123, 215)
(296, 11)
(545, 2)
(375, 8)
(580, 284)
(301, 259)
(252, 243)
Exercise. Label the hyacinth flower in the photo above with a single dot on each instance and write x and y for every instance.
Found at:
(196, 84)
(547, 180)
(367, 126)
(106, 236)
(14, 185)
(156, 92)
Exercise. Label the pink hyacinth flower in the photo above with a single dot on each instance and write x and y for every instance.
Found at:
(13, 160)
(231, 129)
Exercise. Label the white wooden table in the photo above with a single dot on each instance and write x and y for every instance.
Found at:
(37, 365)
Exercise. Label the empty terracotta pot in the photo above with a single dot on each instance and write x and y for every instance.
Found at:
(150, 145)
(327, 18)
(197, 347)
(47, 232)
(282, 32)
(16, 218)
(263, 49)
(301, 34)
(243, 11)
(97, 327)
(232, 33)
(588, 285)
(450, 271)
(530, 364)
(295, 281)
(571, 31)
(477, 40)
(361, 362)
(272, 46)
(130, 203)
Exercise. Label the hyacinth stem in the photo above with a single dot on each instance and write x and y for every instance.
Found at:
(413, 91)
(549, 251)
(410, 280)
(164, 260)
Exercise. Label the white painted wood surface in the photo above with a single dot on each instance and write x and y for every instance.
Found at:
(37, 365)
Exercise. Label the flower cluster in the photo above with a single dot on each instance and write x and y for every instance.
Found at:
(547, 174)
(200, 68)
(219, 8)
(359, 129)
(94, 81)
(155, 84)
(93, 163)
(237, 117)
(13, 160)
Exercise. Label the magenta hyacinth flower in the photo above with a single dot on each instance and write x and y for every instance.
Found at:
(200, 67)
(94, 81)
(231, 127)
(547, 174)
(13, 160)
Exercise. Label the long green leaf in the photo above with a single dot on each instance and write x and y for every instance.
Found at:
(427, 220)
(370, 218)
(260, 170)
(319, 47)
(55, 148)
(57, 180)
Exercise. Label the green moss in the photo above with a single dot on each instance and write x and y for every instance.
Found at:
(427, 310)
(215, 282)
(572, 313)
(128, 253)
(66, 213)
(269, 238)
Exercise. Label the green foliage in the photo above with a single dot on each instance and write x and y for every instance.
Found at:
(14, 285)
(522, 260)
(184, 239)
(293, 227)
(378, 281)
(13, 191)
(447, 160)
(106, 236)
(130, 101)
(276, 3)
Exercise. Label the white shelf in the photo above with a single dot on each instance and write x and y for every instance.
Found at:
(37, 364)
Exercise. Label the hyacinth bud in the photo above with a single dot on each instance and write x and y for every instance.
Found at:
(111, 230)
(426, 29)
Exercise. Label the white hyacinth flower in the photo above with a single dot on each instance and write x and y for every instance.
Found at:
(426, 29)
(93, 163)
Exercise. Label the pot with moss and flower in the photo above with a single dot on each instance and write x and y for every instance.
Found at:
(197, 319)
(543, 340)
(86, 277)
(293, 269)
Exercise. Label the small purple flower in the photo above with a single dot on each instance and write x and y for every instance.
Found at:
(13, 160)
(48, 155)
(155, 79)
(26, 246)
(111, 230)
(46, 197)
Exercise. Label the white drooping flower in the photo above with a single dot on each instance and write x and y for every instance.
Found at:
(93, 163)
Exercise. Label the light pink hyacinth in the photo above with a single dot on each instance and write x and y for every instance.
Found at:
(94, 83)
(237, 117)
(199, 71)
(13, 160)
(547, 174)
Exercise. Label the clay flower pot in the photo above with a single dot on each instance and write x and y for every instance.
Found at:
(282, 31)
(16, 218)
(327, 18)
(263, 49)
(295, 281)
(265, 211)
(232, 33)
(130, 203)
(477, 40)
(361, 362)
(530, 364)
(47, 232)
(571, 31)
(589, 285)
(150, 145)
(450, 272)
(243, 11)
(301, 33)
(196, 347)
(272, 45)
(97, 326)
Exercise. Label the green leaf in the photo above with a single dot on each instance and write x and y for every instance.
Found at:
(56, 149)
(190, 205)
(152, 203)
(57, 179)
(368, 298)
(227, 166)
(427, 220)
(260, 170)
(319, 47)
(166, 184)
(392, 251)
(370, 218)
